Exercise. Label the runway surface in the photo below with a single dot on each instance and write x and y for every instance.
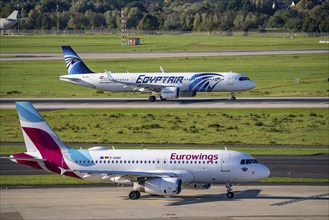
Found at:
(241, 102)
(257, 202)
(280, 166)
(129, 55)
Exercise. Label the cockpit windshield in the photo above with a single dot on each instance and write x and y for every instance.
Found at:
(248, 161)
(243, 78)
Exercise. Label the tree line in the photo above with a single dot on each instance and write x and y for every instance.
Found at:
(182, 15)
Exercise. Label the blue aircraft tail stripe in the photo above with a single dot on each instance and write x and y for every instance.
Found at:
(73, 62)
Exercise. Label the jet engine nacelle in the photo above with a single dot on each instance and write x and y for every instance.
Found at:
(197, 186)
(161, 186)
(187, 94)
(169, 93)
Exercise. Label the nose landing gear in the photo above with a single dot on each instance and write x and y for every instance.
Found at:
(232, 96)
(152, 98)
(229, 193)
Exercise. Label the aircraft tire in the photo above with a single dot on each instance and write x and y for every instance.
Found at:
(133, 195)
(229, 195)
(152, 98)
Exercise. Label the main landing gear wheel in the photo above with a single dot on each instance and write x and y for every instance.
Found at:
(152, 98)
(135, 194)
(232, 96)
(229, 193)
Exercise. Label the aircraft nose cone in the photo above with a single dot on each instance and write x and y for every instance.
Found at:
(252, 84)
(265, 172)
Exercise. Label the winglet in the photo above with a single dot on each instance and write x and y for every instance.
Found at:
(162, 70)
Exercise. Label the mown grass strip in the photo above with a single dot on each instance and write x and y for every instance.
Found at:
(274, 75)
(43, 180)
(293, 180)
(112, 43)
(181, 126)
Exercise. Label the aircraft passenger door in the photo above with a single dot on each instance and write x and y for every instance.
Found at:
(230, 82)
(225, 163)
(133, 79)
(164, 163)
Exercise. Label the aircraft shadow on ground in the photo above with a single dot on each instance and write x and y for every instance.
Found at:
(181, 200)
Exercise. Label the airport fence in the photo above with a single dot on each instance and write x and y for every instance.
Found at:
(267, 33)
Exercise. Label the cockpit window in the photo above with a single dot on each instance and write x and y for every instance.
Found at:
(243, 78)
(248, 161)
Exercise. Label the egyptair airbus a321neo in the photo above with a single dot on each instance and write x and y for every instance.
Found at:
(165, 85)
(157, 172)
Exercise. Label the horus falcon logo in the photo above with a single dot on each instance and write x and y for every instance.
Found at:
(70, 61)
(204, 82)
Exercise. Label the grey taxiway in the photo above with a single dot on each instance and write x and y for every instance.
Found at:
(241, 102)
(256, 202)
(135, 55)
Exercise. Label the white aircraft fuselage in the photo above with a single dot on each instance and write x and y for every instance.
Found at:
(6, 24)
(167, 85)
(218, 82)
(191, 166)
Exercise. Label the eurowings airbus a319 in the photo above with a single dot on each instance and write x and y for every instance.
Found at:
(165, 85)
(157, 172)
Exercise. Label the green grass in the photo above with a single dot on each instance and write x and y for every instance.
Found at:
(274, 75)
(286, 151)
(112, 43)
(293, 180)
(181, 126)
(41, 180)
(51, 179)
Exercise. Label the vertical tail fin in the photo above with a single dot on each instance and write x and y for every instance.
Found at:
(74, 64)
(13, 16)
(38, 136)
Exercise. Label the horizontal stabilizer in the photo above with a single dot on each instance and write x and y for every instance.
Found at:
(25, 159)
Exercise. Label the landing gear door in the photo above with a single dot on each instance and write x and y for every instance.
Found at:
(225, 163)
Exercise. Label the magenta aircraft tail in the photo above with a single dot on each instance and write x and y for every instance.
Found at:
(44, 149)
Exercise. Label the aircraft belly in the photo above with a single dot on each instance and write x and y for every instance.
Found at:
(115, 87)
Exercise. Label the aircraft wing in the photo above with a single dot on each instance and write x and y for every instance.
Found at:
(133, 176)
(142, 87)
